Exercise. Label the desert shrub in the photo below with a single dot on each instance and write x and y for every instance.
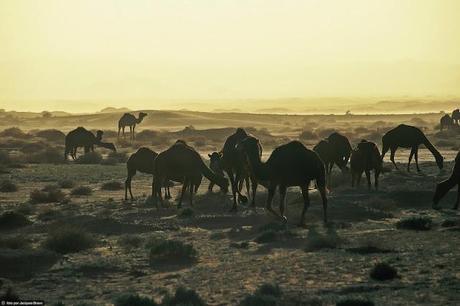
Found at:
(49, 214)
(4, 158)
(112, 186)
(109, 161)
(186, 213)
(272, 232)
(272, 226)
(32, 147)
(383, 271)
(89, 158)
(81, 190)
(317, 241)
(265, 295)
(355, 301)
(182, 297)
(69, 239)
(46, 156)
(8, 186)
(171, 251)
(134, 300)
(66, 183)
(119, 157)
(308, 135)
(369, 247)
(25, 209)
(50, 187)
(445, 143)
(450, 223)
(323, 133)
(14, 242)
(46, 196)
(266, 237)
(12, 219)
(130, 242)
(52, 135)
(146, 135)
(417, 223)
(14, 132)
(361, 130)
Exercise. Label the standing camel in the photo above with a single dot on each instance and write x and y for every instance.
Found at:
(407, 136)
(142, 160)
(446, 122)
(443, 187)
(456, 116)
(365, 158)
(289, 165)
(181, 163)
(129, 120)
(81, 137)
(235, 164)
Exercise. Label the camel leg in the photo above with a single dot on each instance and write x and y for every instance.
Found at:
(330, 174)
(234, 187)
(306, 204)
(239, 181)
(271, 194)
(184, 189)
(211, 185)
(156, 192)
(254, 190)
(322, 192)
(416, 159)
(123, 130)
(376, 178)
(119, 129)
(368, 176)
(192, 191)
(282, 190)
(248, 189)
(167, 192)
(412, 152)
(392, 157)
(128, 186)
(358, 179)
(458, 198)
(134, 127)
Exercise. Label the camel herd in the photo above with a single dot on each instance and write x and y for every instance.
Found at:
(448, 122)
(240, 163)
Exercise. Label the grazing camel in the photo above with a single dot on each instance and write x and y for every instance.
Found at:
(129, 120)
(142, 160)
(443, 187)
(291, 164)
(215, 164)
(181, 163)
(81, 137)
(336, 149)
(365, 158)
(407, 136)
(446, 122)
(456, 116)
(237, 168)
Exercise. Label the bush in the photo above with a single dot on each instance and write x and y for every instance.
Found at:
(383, 271)
(265, 295)
(14, 242)
(8, 186)
(134, 300)
(266, 237)
(66, 184)
(308, 135)
(46, 196)
(146, 135)
(89, 158)
(11, 220)
(130, 242)
(183, 297)
(186, 213)
(4, 158)
(68, 239)
(14, 132)
(119, 157)
(81, 190)
(33, 147)
(52, 135)
(112, 186)
(171, 251)
(46, 156)
(355, 302)
(417, 223)
(317, 241)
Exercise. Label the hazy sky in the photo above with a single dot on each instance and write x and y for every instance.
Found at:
(223, 49)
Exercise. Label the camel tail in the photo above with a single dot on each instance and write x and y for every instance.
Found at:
(211, 176)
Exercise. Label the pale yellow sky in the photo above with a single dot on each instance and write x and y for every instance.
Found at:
(207, 49)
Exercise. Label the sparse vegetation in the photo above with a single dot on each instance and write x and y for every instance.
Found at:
(69, 239)
(46, 196)
(355, 301)
(172, 252)
(112, 186)
(66, 183)
(14, 242)
(317, 241)
(383, 271)
(265, 295)
(417, 223)
(81, 191)
(12, 220)
(89, 158)
(130, 242)
(186, 213)
(183, 296)
(8, 186)
(46, 156)
(134, 300)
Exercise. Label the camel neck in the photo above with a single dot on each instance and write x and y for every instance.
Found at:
(430, 147)
(259, 167)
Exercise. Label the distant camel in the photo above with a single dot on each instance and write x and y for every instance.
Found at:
(443, 187)
(365, 158)
(456, 116)
(181, 163)
(289, 165)
(129, 120)
(237, 168)
(407, 136)
(142, 160)
(446, 122)
(81, 137)
(336, 149)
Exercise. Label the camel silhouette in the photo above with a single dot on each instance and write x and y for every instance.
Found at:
(446, 122)
(407, 136)
(215, 163)
(365, 158)
(142, 160)
(81, 137)
(181, 163)
(444, 187)
(335, 149)
(237, 168)
(456, 116)
(129, 120)
(291, 164)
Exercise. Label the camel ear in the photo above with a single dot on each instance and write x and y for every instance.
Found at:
(209, 155)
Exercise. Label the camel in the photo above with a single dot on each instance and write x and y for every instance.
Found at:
(336, 149)
(181, 163)
(142, 160)
(291, 164)
(456, 116)
(236, 166)
(129, 120)
(446, 122)
(407, 136)
(81, 137)
(364, 158)
(215, 163)
(443, 187)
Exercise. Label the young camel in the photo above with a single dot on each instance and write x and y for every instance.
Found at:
(142, 160)
(365, 158)
(443, 187)
(446, 122)
(215, 163)
(456, 116)
(289, 165)
(81, 137)
(129, 120)
(236, 166)
(181, 163)
(407, 136)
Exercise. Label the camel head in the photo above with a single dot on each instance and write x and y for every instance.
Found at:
(241, 132)
(108, 145)
(214, 161)
(99, 134)
(141, 116)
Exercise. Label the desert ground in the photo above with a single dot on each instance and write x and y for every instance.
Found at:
(68, 236)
